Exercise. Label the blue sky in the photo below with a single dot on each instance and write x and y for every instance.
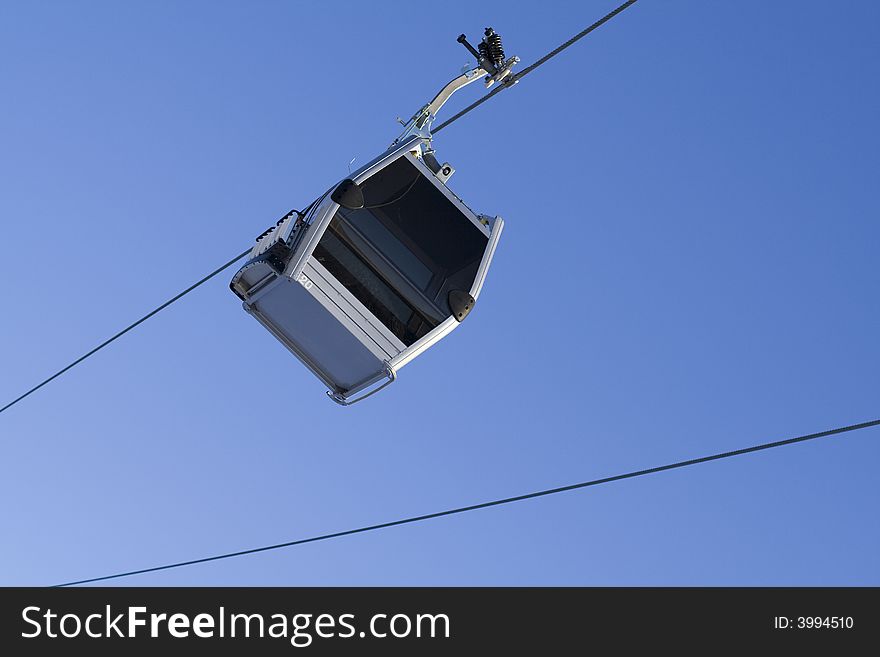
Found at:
(688, 266)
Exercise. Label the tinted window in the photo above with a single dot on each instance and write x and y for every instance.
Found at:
(369, 288)
(390, 246)
(404, 251)
(406, 213)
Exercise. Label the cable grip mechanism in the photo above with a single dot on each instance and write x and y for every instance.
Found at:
(490, 63)
(490, 57)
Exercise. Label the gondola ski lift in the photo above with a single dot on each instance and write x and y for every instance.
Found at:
(382, 266)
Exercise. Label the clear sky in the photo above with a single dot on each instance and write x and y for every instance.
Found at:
(688, 266)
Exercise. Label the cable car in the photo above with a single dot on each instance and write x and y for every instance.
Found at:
(381, 267)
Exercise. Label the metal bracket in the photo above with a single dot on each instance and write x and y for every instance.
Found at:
(343, 401)
(503, 72)
(420, 123)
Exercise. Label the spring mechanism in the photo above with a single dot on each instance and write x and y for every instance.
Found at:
(484, 50)
(491, 48)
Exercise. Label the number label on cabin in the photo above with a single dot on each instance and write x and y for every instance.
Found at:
(304, 281)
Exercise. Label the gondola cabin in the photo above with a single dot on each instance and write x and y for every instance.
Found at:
(384, 264)
(375, 272)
